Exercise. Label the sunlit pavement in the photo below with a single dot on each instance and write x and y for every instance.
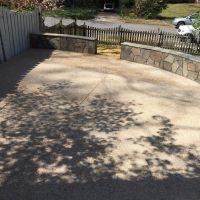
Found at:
(83, 127)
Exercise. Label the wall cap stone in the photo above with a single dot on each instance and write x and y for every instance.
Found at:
(172, 52)
(65, 36)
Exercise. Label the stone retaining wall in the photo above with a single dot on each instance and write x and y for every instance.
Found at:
(180, 63)
(64, 42)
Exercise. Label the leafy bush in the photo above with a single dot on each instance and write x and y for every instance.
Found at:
(196, 24)
(149, 8)
(73, 13)
(30, 4)
(127, 3)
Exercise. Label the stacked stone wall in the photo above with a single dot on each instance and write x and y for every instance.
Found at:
(180, 63)
(64, 42)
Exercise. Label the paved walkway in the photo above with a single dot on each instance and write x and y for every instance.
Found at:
(81, 127)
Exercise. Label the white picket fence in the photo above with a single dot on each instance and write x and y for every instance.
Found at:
(14, 31)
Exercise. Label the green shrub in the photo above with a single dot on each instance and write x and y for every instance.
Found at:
(149, 8)
(127, 3)
(73, 13)
(196, 24)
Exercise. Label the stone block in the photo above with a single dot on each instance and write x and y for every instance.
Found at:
(185, 69)
(92, 47)
(156, 56)
(164, 55)
(179, 71)
(54, 42)
(180, 62)
(150, 62)
(167, 66)
(169, 59)
(131, 57)
(191, 67)
(139, 59)
(198, 78)
(157, 64)
(125, 52)
(146, 54)
(136, 51)
(197, 67)
(175, 66)
(192, 75)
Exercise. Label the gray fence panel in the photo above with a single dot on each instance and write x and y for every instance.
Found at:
(1, 40)
(14, 31)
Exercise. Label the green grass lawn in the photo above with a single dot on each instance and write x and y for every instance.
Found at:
(176, 10)
(79, 13)
(172, 11)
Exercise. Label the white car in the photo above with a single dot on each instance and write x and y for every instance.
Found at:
(186, 30)
(189, 31)
(109, 6)
(180, 21)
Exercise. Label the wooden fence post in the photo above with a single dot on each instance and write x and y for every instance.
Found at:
(60, 26)
(120, 34)
(41, 20)
(84, 29)
(161, 37)
(75, 26)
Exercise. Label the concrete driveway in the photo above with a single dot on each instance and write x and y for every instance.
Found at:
(82, 127)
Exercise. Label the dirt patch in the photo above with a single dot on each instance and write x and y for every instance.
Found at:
(109, 50)
(108, 17)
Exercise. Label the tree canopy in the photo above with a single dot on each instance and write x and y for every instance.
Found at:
(29, 4)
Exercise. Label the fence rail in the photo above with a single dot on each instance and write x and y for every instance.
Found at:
(117, 35)
(14, 31)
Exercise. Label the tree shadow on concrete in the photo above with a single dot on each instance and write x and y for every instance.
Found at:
(14, 70)
(50, 150)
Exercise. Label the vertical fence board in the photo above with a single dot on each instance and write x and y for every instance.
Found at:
(2, 32)
(14, 31)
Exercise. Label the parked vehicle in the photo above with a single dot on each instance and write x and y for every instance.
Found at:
(189, 32)
(180, 21)
(109, 6)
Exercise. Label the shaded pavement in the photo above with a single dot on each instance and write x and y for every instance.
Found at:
(84, 127)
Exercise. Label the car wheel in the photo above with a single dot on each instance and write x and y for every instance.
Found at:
(180, 24)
